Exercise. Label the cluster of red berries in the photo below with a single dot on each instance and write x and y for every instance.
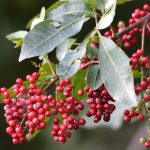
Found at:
(100, 104)
(139, 13)
(130, 39)
(129, 115)
(68, 110)
(26, 111)
(137, 60)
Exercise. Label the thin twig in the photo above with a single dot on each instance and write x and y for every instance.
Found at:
(143, 36)
(50, 65)
(142, 47)
(50, 84)
(91, 62)
(128, 29)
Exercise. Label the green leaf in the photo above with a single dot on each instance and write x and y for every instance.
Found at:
(72, 70)
(77, 84)
(44, 37)
(142, 107)
(72, 8)
(121, 1)
(69, 64)
(44, 71)
(104, 5)
(15, 37)
(116, 73)
(90, 3)
(108, 16)
(39, 19)
(64, 47)
(94, 80)
(19, 43)
(136, 74)
(52, 7)
(91, 52)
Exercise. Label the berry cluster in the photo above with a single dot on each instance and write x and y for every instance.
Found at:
(26, 111)
(137, 60)
(99, 102)
(132, 114)
(68, 110)
(130, 39)
(140, 63)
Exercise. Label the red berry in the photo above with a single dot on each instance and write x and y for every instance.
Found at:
(140, 116)
(80, 93)
(127, 119)
(147, 144)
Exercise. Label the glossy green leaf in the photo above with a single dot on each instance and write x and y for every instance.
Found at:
(77, 84)
(15, 37)
(64, 47)
(90, 3)
(94, 80)
(72, 70)
(104, 5)
(39, 19)
(91, 52)
(108, 16)
(52, 7)
(44, 71)
(67, 66)
(142, 107)
(116, 73)
(19, 43)
(136, 74)
(44, 37)
(72, 8)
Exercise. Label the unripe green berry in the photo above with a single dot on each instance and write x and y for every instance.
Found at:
(142, 140)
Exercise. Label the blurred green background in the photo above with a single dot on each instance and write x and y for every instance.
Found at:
(14, 14)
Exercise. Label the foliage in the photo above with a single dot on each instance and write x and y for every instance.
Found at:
(102, 65)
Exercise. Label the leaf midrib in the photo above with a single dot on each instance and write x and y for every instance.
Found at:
(69, 13)
(114, 66)
(56, 33)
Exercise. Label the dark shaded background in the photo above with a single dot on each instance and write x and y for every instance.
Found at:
(14, 14)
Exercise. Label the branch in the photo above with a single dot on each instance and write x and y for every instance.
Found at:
(50, 84)
(128, 29)
(91, 62)
(142, 47)
(50, 65)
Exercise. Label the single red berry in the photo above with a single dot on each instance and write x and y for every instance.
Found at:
(80, 93)
(127, 119)
(35, 75)
(147, 144)
(19, 81)
(126, 112)
(59, 89)
(144, 60)
(140, 116)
